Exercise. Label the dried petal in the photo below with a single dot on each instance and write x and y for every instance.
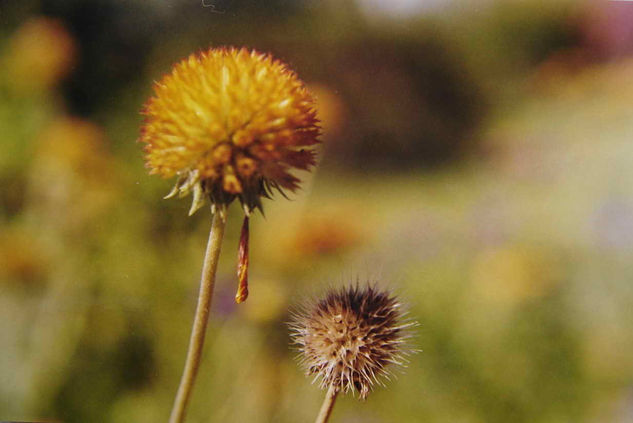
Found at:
(242, 264)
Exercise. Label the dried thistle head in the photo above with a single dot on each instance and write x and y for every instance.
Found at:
(349, 338)
(230, 123)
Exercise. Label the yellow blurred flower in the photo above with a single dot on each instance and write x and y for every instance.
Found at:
(75, 144)
(40, 53)
(22, 258)
(230, 124)
(512, 275)
(73, 175)
(325, 234)
(317, 233)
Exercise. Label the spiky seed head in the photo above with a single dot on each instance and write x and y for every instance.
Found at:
(230, 123)
(349, 338)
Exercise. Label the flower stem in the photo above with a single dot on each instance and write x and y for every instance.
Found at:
(328, 405)
(198, 331)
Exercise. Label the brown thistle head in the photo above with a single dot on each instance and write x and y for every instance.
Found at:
(229, 123)
(349, 338)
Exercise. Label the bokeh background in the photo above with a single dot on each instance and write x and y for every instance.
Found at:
(477, 159)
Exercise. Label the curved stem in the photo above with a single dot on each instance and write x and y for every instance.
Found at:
(201, 318)
(328, 405)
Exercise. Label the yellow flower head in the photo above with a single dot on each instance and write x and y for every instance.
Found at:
(230, 123)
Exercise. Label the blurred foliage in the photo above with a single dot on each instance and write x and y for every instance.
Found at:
(476, 159)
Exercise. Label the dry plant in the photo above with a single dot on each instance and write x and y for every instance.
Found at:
(349, 338)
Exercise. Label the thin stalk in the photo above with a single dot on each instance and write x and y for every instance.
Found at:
(328, 405)
(199, 329)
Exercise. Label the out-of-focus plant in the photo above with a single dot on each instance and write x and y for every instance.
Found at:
(73, 166)
(39, 55)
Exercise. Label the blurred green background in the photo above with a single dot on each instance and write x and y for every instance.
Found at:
(477, 159)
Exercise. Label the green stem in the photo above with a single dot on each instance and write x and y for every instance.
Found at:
(328, 405)
(198, 331)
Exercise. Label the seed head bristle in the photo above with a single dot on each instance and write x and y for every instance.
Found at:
(349, 338)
